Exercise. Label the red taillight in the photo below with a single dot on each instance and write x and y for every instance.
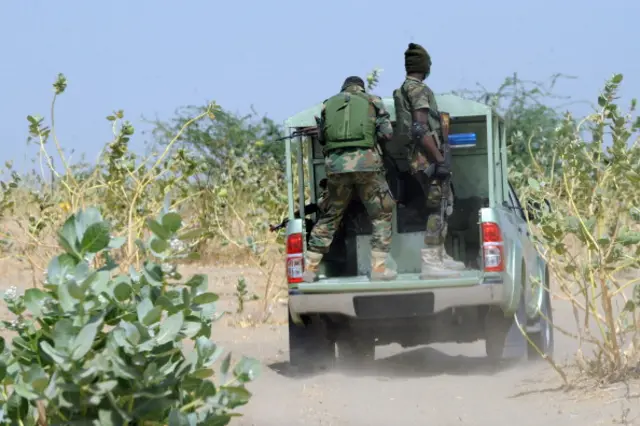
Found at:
(295, 261)
(492, 247)
(294, 244)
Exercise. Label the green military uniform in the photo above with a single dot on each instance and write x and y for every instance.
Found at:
(415, 95)
(351, 123)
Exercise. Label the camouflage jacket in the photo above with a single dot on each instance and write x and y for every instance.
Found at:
(359, 159)
(417, 95)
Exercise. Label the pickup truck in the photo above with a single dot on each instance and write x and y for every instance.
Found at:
(344, 316)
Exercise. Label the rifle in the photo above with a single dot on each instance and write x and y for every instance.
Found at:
(308, 209)
(304, 131)
(445, 149)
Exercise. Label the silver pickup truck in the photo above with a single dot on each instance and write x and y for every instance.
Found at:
(505, 279)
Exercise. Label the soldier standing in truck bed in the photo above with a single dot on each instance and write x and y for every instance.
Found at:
(350, 125)
(418, 126)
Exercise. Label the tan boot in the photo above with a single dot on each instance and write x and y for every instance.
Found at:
(383, 267)
(311, 266)
(433, 266)
(450, 263)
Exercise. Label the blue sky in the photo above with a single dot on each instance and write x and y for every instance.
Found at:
(150, 57)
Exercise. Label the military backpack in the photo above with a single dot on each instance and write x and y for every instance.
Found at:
(348, 122)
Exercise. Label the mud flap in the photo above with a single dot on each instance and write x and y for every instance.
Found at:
(515, 344)
(512, 287)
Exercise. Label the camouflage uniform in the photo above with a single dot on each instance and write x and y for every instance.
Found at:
(361, 170)
(356, 170)
(415, 95)
(420, 96)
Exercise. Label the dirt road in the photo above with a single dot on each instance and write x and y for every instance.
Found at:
(437, 385)
(445, 384)
(434, 385)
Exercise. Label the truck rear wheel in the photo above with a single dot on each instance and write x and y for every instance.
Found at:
(309, 347)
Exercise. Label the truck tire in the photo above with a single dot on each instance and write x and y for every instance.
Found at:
(355, 351)
(543, 338)
(309, 347)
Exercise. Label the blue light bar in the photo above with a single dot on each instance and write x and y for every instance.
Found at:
(462, 140)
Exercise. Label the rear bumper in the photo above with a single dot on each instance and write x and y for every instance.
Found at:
(444, 298)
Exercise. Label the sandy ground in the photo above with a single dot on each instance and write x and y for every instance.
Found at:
(445, 384)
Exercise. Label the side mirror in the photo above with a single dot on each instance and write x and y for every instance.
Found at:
(531, 211)
(534, 210)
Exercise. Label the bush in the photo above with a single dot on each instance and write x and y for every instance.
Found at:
(96, 345)
(591, 234)
(223, 172)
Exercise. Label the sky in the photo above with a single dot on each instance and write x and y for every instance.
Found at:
(149, 57)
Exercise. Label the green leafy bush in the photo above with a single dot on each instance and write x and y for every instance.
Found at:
(99, 346)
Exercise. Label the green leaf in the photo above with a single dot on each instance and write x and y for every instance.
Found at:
(191, 328)
(205, 298)
(172, 222)
(144, 308)
(74, 290)
(153, 316)
(196, 280)
(177, 418)
(67, 302)
(67, 237)
(34, 300)
(83, 342)
(95, 238)
(198, 283)
(158, 229)
(202, 373)
(207, 351)
(617, 78)
(63, 334)
(247, 369)
(170, 328)
(85, 218)
(59, 267)
(165, 302)
(157, 245)
(25, 391)
(109, 417)
(237, 396)
(122, 291)
(153, 273)
(534, 184)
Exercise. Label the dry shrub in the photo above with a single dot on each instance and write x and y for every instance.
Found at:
(233, 201)
(589, 232)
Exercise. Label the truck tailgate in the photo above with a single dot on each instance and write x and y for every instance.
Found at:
(360, 298)
(407, 281)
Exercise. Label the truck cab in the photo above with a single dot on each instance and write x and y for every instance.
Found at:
(344, 315)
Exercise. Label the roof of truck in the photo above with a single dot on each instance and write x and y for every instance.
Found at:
(453, 104)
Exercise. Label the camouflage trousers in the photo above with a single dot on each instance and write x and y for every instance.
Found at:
(435, 234)
(373, 190)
